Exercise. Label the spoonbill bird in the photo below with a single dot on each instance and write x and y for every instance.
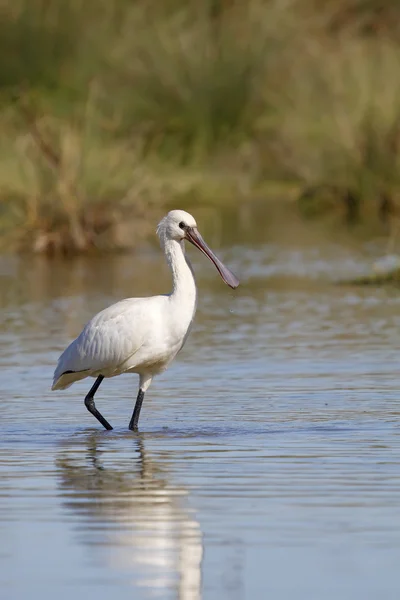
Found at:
(141, 335)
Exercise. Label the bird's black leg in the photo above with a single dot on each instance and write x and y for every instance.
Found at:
(133, 425)
(90, 405)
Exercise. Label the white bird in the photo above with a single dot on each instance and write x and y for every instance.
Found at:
(141, 335)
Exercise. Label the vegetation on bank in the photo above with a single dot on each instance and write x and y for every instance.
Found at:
(111, 109)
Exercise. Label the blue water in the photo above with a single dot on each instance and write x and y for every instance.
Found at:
(268, 460)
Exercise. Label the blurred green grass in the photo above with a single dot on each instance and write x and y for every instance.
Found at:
(114, 109)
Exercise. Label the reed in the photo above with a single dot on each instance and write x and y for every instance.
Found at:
(115, 109)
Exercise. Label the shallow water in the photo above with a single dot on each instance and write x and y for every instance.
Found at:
(268, 459)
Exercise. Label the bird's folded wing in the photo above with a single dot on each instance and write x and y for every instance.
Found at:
(103, 344)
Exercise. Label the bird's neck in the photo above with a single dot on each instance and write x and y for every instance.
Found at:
(183, 283)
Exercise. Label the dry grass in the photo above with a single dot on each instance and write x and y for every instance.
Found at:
(114, 109)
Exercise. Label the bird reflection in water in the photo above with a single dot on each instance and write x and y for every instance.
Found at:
(132, 515)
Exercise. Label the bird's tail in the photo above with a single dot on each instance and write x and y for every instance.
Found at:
(64, 381)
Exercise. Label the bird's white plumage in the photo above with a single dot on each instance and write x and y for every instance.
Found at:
(140, 335)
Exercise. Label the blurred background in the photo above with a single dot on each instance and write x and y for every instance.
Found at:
(114, 110)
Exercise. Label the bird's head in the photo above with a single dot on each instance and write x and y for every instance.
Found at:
(179, 225)
(175, 224)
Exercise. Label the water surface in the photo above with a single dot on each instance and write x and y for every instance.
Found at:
(267, 465)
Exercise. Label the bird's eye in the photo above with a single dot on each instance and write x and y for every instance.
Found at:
(182, 225)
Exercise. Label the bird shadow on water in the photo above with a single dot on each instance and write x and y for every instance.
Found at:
(133, 519)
